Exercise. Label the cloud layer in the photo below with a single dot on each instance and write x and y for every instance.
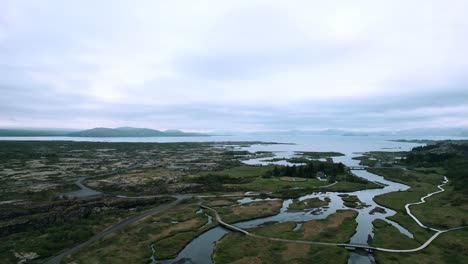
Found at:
(234, 65)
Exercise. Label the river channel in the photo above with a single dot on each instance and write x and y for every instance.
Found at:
(199, 250)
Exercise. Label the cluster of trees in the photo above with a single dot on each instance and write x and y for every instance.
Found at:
(427, 159)
(453, 157)
(308, 170)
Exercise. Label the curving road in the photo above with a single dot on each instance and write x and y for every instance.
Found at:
(116, 227)
(365, 247)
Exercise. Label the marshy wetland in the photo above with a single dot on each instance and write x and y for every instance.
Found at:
(251, 184)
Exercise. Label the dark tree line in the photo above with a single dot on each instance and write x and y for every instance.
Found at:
(453, 157)
(308, 170)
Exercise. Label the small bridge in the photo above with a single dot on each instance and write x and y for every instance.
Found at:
(351, 247)
(363, 247)
(224, 224)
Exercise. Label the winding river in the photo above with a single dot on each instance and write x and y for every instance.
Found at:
(199, 250)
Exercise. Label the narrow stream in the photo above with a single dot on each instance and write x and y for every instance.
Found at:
(201, 248)
(209, 218)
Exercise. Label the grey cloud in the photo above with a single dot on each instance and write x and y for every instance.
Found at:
(236, 67)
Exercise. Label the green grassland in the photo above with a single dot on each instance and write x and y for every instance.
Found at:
(257, 179)
(241, 171)
(440, 211)
(233, 214)
(448, 248)
(170, 231)
(238, 248)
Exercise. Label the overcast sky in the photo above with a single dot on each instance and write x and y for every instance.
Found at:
(234, 65)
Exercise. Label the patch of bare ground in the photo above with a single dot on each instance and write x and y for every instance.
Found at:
(217, 203)
(255, 208)
(186, 225)
(252, 210)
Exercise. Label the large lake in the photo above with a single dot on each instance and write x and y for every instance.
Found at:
(349, 145)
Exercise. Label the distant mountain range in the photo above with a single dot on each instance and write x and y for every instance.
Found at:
(98, 132)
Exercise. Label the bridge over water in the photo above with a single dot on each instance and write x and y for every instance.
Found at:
(352, 247)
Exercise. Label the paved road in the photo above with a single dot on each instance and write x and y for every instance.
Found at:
(118, 226)
(85, 191)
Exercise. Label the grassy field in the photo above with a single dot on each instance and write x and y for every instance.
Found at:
(386, 235)
(241, 171)
(252, 210)
(450, 248)
(293, 179)
(238, 248)
(275, 184)
(345, 186)
(440, 211)
(170, 230)
(366, 161)
(421, 184)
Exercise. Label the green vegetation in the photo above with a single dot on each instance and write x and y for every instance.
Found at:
(241, 171)
(447, 248)
(309, 203)
(237, 248)
(292, 179)
(366, 161)
(233, 214)
(274, 179)
(380, 158)
(451, 156)
(444, 210)
(308, 170)
(422, 184)
(388, 236)
(352, 201)
(47, 240)
(377, 209)
(379, 223)
(169, 230)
